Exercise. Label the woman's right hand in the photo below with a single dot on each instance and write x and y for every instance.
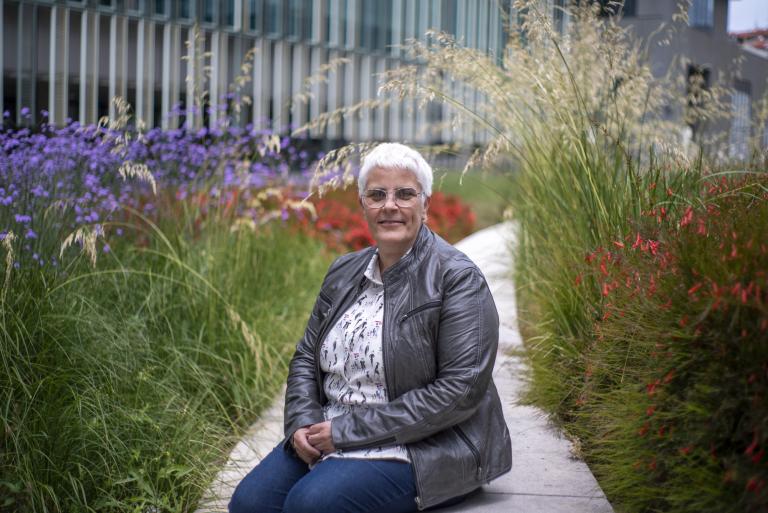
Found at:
(303, 448)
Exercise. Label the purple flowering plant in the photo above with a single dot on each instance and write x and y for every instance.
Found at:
(56, 180)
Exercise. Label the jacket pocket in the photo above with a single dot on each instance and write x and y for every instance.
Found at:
(426, 306)
(475, 453)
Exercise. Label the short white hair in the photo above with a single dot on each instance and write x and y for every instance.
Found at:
(400, 156)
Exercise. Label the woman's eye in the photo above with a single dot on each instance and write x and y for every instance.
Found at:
(377, 195)
(406, 194)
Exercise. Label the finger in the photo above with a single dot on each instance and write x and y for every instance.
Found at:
(308, 448)
(315, 440)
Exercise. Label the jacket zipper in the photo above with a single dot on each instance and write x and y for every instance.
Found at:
(425, 306)
(472, 448)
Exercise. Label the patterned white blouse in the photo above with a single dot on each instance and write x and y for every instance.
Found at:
(352, 360)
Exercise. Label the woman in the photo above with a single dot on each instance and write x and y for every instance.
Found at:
(390, 405)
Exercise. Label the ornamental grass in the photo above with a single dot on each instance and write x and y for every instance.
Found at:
(143, 325)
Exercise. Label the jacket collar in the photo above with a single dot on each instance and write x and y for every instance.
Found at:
(411, 259)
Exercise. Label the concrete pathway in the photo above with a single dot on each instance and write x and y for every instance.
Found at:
(545, 475)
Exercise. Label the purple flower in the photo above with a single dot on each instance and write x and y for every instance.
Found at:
(106, 248)
(22, 218)
(24, 112)
(30, 234)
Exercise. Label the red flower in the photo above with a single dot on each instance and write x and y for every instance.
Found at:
(687, 217)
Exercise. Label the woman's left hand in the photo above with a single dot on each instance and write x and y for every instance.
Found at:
(319, 436)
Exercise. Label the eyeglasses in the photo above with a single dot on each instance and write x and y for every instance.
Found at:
(405, 197)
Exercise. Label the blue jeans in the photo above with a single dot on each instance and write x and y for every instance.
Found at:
(282, 483)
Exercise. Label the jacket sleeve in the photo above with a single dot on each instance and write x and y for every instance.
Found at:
(466, 351)
(302, 398)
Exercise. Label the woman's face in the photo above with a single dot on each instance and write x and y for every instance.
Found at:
(394, 228)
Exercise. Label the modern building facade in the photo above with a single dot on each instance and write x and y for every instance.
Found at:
(709, 52)
(70, 57)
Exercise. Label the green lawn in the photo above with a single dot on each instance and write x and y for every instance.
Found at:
(486, 192)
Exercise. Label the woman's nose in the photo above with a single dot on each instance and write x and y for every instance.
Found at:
(389, 203)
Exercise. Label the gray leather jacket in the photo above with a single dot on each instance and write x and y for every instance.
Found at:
(440, 335)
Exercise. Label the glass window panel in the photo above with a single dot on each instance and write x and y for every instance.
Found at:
(209, 11)
(274, 17)
(295, 8)
(740, 124)
(134, 5)
(185, 9)
(161, 7)
(309, 13)
(343, 22)
(228, 12)
(327, 20)
(448, 15)
(701, 13)
(254, 15)
(384, 25)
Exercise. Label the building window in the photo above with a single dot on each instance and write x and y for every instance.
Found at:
(299, 18)
(228, 13)
(370, 27)
(327, 22)
(186, 9)
(274, 18)
(209, 11)
(343, 20)
(449, 17)
(615, 7)
(740, 120)
(384, 23)
(134, 6)
(107, 4)
(162, 8)
(558, 16)
(701, 13)
(254, 15)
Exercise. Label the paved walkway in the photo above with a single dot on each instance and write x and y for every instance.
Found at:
(545, 477)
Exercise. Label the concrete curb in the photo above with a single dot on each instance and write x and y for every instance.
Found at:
(545, 476)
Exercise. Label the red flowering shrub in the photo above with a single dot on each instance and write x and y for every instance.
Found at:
(340, 222)
(686, 299)
(337, 219)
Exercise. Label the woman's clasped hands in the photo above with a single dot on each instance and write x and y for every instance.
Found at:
(312, 442)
